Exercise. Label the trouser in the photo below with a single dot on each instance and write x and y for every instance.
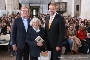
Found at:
(23, 53)
(33, 58)
(85, 46)
(55, 55)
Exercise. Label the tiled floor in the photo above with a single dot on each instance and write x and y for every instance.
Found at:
(5, 55)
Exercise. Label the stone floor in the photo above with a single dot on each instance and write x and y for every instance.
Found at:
(5, 55)
(76, 57)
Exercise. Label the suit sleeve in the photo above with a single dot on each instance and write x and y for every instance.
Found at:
(45, 36)
(14, 32)
(28, 39)
(61, 32)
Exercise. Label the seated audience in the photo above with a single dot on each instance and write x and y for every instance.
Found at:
(82, 35)
(73, 41)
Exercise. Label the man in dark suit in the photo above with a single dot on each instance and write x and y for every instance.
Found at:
(18, 35)
(55, 31)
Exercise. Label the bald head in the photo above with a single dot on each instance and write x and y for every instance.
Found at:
(53, 4)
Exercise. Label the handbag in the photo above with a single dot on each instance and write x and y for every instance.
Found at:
(48, 57)
(44, 53)
(63, 50)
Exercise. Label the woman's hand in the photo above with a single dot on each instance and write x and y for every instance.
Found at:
(70, 37)
(39, 44)
(84, 40)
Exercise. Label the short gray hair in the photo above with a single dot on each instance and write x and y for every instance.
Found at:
(35, 19)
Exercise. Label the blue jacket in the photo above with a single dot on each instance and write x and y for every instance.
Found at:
(18, 33)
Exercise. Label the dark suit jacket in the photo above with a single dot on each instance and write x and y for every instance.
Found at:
(55, 35)
(31, 36)
(18, 33)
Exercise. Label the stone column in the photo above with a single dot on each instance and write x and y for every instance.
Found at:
(16, 4)
(2, 4)
(73, 8)
(12, 5)
(85, 13)
(9, 4)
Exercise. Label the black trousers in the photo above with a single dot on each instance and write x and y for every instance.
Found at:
(85, 46)
(55, 55)
(23, 53)
(87, 41)
(33, 58)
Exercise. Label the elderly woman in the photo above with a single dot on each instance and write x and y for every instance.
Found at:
(34, 31)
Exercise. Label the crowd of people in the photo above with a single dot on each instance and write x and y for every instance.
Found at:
(76, 39)
(77, 34)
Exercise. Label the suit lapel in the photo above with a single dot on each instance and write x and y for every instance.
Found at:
(28, 22)
(22, 24)
(48, 21)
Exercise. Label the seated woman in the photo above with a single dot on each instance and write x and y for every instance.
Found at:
(73, 41)
(34, 31)
(82, 35)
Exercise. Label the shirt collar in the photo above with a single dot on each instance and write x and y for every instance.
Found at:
(37, 29)
(57, 12)
(54, 15)
(24, 19)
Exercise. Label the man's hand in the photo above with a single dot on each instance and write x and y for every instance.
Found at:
(57, 48)
(14, 47)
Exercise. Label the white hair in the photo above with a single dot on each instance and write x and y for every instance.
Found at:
(35, 19)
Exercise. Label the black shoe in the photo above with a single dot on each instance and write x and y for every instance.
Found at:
(12, 54)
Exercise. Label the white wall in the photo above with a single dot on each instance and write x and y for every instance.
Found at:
(77, 2)
(8, 12)
(85, 7)
(25, 5)
(69, 7)
(3, 12)
(13, 12)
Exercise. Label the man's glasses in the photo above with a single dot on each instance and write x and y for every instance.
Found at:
(24, 10)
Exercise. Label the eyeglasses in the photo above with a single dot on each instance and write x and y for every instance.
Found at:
(24, 10)
(71, 27)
